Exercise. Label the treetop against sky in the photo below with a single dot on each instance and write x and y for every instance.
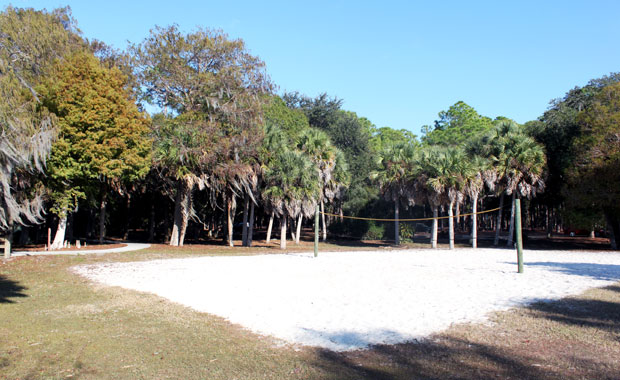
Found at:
(398, 63)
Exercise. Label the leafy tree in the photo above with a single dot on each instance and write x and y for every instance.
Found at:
(457, 125)
(283, 126)
(594, 179)
(291, 121)
(221, 86)
(30, 42)
(111, 57)
(320, 111)
(386, 136)
(558, 129)
(350, 134)
(102, 139)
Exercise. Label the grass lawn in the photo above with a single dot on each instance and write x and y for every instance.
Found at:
(56, 325)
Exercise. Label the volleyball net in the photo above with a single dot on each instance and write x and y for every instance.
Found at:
(409, 229)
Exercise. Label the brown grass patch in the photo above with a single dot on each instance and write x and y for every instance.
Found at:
(56, 325)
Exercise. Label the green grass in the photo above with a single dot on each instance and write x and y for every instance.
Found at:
(56, 325)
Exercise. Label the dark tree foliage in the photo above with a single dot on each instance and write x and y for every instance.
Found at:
(320, 111)
(594, 179)
(558, 129)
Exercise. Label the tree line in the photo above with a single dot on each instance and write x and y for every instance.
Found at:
(77, 146)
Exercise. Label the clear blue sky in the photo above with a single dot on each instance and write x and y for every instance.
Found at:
(398, 63)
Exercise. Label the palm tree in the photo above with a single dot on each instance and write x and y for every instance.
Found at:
(476, 172)
(233, 179)
(441, 180)
(396, 164)
(428, 163)
(183, 152)
(448, 178)
(335, 188)
(316, 145)
(292, 187)
(274, 143)
(519, 162)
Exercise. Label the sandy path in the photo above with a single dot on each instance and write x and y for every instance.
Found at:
(348, 300)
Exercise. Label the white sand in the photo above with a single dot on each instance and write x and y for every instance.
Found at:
(349, 300)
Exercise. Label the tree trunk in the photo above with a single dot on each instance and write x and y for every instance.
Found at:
(182, 207)
(127, 216)
(442, 221)
(59, 237)
(186, 207)
(229, 220)
(396, 226)
(298, 234)
(244, 228)
(251, 228)
(178, 216)
(104, 197)
(291, 227)
(23, 236)
(90, 224)
(458, 217)
(152, 220)
(548, 222)
(269, 227)
(70, 225)
(511, 229)
(614, 229)
(451, 224)
(474, 222)
(434, 230)
(283, 221)
(498, 224)
(323, 221)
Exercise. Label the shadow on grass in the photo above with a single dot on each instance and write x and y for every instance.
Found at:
(613, 288)
(448, 358)
(582, 312)
(498, 353)
(10, 289)
(343, 242)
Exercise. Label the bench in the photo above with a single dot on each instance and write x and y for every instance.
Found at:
(6, 245)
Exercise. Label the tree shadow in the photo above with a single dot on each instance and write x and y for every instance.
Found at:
(10, 289)
(447, 358)
(607, 272)
(500, 354)
(582, 312)
(613, 288)
(356, 243)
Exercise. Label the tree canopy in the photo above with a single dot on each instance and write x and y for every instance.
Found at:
(460, 123)
(30, 43)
